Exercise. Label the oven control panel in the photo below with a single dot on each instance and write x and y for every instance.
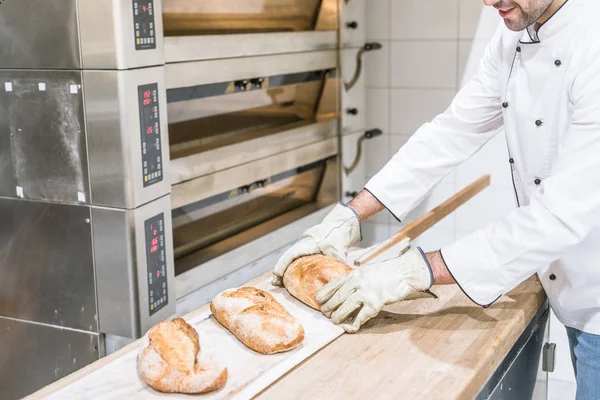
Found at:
(156, 263)
(143, 22)
(150, 134)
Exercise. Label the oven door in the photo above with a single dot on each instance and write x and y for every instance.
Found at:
(250, 154)
(221, 223)
(215, 29)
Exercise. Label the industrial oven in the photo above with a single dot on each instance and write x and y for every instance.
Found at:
(148, 148)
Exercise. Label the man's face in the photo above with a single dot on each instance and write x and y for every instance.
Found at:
(519, 14)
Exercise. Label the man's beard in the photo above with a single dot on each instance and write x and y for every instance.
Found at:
(527, 17)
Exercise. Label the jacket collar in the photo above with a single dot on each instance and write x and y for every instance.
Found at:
(556, 24)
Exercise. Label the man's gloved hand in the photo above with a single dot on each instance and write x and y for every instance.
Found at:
(373, 286)
(339, 230)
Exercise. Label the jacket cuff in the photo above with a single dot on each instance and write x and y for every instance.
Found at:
(383, 204)
(481, 288)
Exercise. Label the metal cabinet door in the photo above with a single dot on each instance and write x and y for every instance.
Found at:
(47, 268)
(43, 147)
(39, 34)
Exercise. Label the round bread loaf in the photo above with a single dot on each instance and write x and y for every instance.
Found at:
(306, 275)
(170, 360)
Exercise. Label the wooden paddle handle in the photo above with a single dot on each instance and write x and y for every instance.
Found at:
(416, 228)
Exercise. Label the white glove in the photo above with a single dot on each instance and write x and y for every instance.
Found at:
(333, 237)
(373, 286)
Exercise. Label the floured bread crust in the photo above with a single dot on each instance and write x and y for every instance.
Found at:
(306, 275)
(257, 320)
(170, 360)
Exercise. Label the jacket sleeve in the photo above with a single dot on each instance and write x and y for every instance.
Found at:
(472, 119)
(563, 211)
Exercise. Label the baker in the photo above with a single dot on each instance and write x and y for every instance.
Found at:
(540, 82)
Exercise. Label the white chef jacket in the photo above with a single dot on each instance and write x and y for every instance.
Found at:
(546, 96)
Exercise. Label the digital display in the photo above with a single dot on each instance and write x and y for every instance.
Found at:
(156, 263)
(150, 131)
(143, 22)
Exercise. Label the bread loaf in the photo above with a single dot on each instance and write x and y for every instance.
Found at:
(306, 275)
(257, 320)
(170, 360)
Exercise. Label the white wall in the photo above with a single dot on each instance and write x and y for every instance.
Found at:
(430, 50)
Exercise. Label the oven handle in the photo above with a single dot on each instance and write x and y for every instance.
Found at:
(371, 133)
(367, 47)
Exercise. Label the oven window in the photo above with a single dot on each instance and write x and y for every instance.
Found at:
(217, 17)
(213, 226)
(211, 116)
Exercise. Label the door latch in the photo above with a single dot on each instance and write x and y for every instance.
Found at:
(548, 357)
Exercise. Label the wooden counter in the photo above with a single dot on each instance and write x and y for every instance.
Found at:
(423, 349)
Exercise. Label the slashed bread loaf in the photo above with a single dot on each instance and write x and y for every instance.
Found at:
(170, 360)
(306, 275)
(257, 320)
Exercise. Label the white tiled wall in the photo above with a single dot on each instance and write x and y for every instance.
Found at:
(412, 79)
(430, 50)
(419, 20)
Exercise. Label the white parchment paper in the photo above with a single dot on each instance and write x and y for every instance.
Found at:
(248, 372)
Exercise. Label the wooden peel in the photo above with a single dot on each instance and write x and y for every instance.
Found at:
(416, 228)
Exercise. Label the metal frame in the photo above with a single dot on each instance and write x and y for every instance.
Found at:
(114, 142)
(197, 165)
(121, 276)
(74, 34)
(515, 376)
(195, 73)
(198, 48)
(42, 354)
(105, 129)
(107, 35)
(201, 188)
